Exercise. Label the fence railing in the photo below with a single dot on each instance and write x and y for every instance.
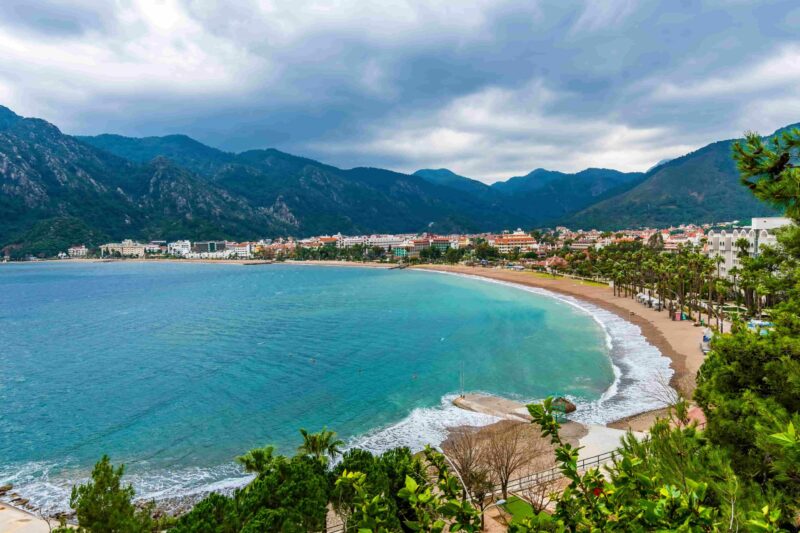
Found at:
(554, 473)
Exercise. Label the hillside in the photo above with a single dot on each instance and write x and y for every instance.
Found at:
(702, 186)
(448, 178)
(542, 196)
(180, 149)
(314, 198)
(550, 195)
(76, 191)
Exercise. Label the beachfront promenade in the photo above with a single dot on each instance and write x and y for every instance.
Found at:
(17, 521)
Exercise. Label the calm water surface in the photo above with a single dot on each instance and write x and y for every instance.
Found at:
(175, 369)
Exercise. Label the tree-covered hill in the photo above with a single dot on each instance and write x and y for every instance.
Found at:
(702, 186)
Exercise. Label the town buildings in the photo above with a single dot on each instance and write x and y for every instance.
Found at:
(534, 246)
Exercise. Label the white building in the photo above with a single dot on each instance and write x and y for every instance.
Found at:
(242, 250)
(126, 248)
(387, 242)
(78, 251)
(519, 240)
(760, 233)
(220, 254)
(349, 242)
(181, 248)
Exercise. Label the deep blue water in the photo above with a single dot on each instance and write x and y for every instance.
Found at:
(175, 369)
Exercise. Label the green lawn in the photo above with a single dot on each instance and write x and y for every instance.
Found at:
(593, 283)
(518, 509)
(544, 275)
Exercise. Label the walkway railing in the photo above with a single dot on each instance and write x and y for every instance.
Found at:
(554, 473)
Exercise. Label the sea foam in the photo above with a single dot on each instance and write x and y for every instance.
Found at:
(641, 371)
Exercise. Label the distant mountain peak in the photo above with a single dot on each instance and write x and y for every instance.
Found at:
(660, 163)
(8, 118)
(447, 178)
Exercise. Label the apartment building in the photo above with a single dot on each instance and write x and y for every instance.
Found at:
(508, 242)
(126, 248)
(179, 248)
(78, 251)
(760, 233)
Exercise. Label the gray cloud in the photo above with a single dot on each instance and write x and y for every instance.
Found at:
(54, 19)
(489, 88)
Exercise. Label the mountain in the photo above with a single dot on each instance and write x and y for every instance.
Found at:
(542, 196)
(180, 149)
(527, 183)
(599, 179)
(46, 176)
(702, 186)
(313, 198)
(57, 190)
(549, 196)
(448, 178)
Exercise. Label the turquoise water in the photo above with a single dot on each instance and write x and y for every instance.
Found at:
(175, 369)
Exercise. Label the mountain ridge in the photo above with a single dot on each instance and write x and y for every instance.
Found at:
(112, 186)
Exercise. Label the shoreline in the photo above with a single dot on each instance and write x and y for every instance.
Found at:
(678, 341)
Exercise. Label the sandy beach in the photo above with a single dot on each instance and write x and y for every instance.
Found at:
(677, 340)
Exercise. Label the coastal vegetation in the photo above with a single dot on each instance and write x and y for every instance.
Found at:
(738, 472)
(688, 281)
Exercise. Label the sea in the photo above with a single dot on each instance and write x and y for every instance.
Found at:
(175, 369)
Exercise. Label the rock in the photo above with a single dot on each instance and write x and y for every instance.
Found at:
(563, 404)
(5, 488)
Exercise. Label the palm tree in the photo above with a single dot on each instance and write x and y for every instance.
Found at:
(258, 460)
(321, 446)
(743, 247)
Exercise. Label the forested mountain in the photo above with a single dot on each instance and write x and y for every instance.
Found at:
(310, 197)
(180, 149)
(702, 186)
(57, 190)
(553, 195)
(448, 178)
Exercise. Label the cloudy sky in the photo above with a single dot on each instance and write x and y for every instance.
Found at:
(489, 89)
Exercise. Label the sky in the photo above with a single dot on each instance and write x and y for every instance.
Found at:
(489, 89)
